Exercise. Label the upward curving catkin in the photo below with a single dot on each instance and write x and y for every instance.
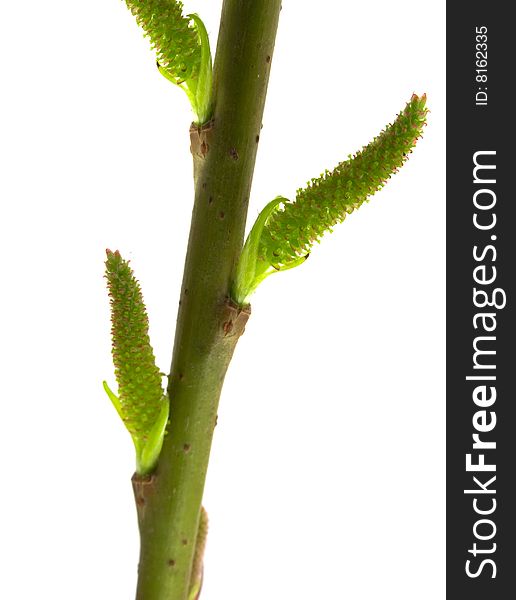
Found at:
(291, 232)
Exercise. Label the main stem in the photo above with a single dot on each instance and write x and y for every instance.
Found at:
(208, 325)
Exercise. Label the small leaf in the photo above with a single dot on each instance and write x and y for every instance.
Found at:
(149, 454)
(250, 271)
(203, 95)
(114, 399)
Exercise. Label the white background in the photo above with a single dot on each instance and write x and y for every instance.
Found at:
(327, 474)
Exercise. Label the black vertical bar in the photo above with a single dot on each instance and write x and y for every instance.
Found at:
(480, 127)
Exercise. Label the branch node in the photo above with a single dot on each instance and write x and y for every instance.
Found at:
(200, 139)
(143, 489)
(234, 318)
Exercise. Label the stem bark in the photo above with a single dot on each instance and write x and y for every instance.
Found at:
(208, 325)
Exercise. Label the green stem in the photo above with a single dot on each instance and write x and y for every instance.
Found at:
(208, 325)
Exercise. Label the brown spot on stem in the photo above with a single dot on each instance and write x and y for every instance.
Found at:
(184, 542)
(257, 138)
(221, 215)
(171, 562)
(186, 448)
(210, 200)
(181, 376)
(233, 153)
(268, 59)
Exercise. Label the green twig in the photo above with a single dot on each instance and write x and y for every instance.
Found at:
(208, 325)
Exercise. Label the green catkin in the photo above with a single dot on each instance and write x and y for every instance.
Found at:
(291, 232)
(140, 392)
(172, 36)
